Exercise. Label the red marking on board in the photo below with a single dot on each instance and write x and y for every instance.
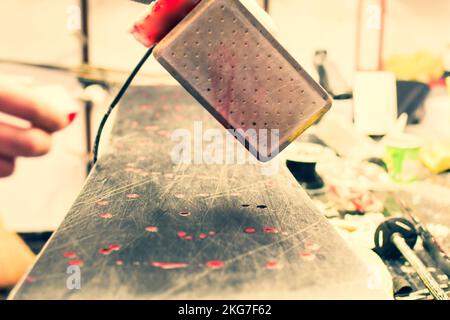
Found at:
(250, 230)
(308, 256)
(311, 246)
(115, 247)
(270, 230)
(188, 238)
(110, 249)
(272, 265)
(145, 107)
(203, 236)
(133, 196)
(169, 265)
(102, 203)
(181, 234)
(79, 263)
(105, 251)
(215, 264)
(105, 215)
(70, 254)
(152, 229)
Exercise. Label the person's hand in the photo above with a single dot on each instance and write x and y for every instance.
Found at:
(33, 139)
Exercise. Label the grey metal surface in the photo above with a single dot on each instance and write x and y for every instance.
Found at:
(240, 73)
(293, 252)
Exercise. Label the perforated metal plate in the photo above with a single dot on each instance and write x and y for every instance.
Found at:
(234, 67)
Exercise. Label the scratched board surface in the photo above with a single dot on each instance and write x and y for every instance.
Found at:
(146, 228)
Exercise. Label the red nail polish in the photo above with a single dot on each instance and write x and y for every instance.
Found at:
(72, 116)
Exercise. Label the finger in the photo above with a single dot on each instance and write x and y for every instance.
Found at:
(25, 142)
(21, 105)
(6, 166)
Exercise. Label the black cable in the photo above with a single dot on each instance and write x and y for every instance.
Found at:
(117, 99)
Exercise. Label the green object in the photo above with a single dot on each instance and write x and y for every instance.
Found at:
(403, 158)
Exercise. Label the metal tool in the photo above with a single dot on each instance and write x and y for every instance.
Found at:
(398, 236)
(430, 244)
(229, 62)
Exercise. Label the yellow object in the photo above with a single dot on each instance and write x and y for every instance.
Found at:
(422, 66)
(436, 157)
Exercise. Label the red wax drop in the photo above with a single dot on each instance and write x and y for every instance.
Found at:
(79, 263)
(169, 265)
(145, 107)
(102, 203)
(311, 246)
(152, 229)
(250, 230)
(272, 264)
(202, 236)
(308, 256)
(105, 215)
(115, 247)
(270, 230)
(105, 251)
(215, 264)
(188, 238)
(181, 234)
(70, 254)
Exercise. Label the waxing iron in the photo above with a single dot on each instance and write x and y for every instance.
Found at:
(229, 61)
